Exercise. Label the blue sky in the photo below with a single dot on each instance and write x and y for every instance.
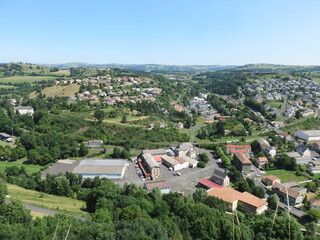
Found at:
(232, 32)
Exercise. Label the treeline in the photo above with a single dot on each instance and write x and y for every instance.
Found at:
(133, 213)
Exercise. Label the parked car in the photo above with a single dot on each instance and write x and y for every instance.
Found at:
(170, 168)
(178, 173)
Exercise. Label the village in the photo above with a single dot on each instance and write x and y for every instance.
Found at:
(296, 95)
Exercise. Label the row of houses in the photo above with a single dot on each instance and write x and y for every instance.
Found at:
(287, 194)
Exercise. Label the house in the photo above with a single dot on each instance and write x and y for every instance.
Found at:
(5, 137)
(103, 168)
(261, 161)
(315, 204)
(245, 149)
(266, 148)
(192, 162)
(220, 178)
(24, 110)
(174, 163)
(179, 125)
(162, 185)
(149, 167)
(12, 101)
(185, 149)
(269, 180)
(308, 135)
(93, 143)
(304, 151)
(242, 162)
(207, 184)
(284, 192)
(316, 147)
(314, 170)
(237, 200)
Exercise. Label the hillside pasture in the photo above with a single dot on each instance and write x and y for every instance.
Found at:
(29, 79)
(58, 91)
(53, 202)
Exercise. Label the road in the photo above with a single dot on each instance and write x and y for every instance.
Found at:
(283, 107)
(193, 130)
(294, 211)
(48, 211)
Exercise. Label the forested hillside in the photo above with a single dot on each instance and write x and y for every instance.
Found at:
(133, 213)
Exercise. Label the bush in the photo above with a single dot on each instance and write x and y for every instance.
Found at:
(201, 164)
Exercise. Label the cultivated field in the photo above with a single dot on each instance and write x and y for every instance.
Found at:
(59, 91)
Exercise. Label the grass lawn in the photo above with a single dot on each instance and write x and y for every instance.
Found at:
(239, 138)
(30, 79)
(63, 204)
(37, 214)
(20, 163)
(286, 176)
(2, 143)
(59, 91)
(205, 141)
(275, 104)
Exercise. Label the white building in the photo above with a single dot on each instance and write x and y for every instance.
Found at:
(103, 168)
(308, 135)
(24, 110)
(162, 185)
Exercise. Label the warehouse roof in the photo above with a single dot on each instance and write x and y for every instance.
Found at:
(103, 162)
(159, 184)
(98, 170)
(310, 133)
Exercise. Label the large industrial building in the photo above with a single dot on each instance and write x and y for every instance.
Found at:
(103, 168)
(308, 135)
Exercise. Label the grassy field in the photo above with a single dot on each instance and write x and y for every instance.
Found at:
(275, 104)
(286, 176)
(303, 124)
(62, 204)
(7, 86)
(59, 91)
(20, 163)
(30, 79)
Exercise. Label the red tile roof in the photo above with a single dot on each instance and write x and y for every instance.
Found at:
(263, 159)
(159, 184)
(242, 158)
(239, 146)
(209, 184)
(157, 159)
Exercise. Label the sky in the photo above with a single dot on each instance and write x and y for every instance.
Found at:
(179, 32)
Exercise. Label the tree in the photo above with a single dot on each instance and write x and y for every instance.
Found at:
(203, 157)
(99, 115)
(200, 195)
(314, 214)
(83, 150)
(273, 201)
(3, 191)
(116, 153)
(124, 119)
(201, 164)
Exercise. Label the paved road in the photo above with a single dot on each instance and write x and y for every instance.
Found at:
(283, 107)
(193, 130)
(48, 211)
(292, 210)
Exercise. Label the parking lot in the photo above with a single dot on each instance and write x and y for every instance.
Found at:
(185, 183)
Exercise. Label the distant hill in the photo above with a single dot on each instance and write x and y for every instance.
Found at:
(144, 67)
(25, 69)
(277, 68)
